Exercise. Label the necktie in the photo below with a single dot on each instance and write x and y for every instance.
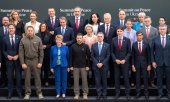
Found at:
(12, 41)
(52, 22)
(77, 23)
(107, 29)
(121, 23)
(6, 31)
(120, 43)
(147, 33)
(63, 31)
(100, 48)
(140, 48)
(163, 41)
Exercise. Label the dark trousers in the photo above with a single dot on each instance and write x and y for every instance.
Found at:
(3, 71)
(14, 69)
(142, 71)
(101, 81)
(161, 70)
(125, 72)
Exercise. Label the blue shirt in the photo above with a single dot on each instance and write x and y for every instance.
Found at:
(131, 35)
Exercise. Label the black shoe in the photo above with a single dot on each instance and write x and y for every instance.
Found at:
(3, 85)
(19, 95)
(168, 96)
(117, 96)
(104, 97)
(159, 97)
(138, 95)
(128, 97)
(98, 97)
(9, 96)
(147, 97)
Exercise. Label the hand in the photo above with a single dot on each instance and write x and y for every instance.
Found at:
(148, 68)
(99, 65)
(63, 43)
(133, 68)
(87, 68)
(9, 57)
(118, 61)
(122, 61)
(68, 69)
(24, 66)
(44, 46)
(52, 32)
(71, 69)
(15, 57)
(39, 65)
(52, 70)
(154, 64)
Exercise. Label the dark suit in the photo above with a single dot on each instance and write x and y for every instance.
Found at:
(56, 23)
(111, 34)
(141, 61)
(82, 24)
(46, 40)
(3, 66)
(161, 56)
(12, 65)
(100, 74)
(121, 54)
(68, 36)
(117, 23)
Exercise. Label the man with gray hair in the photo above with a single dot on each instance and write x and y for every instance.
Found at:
(31, 57)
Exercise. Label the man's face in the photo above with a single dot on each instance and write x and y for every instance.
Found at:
(100, 37)
(122, 15)
(77, 12)
(51, 12)
(161, 21)
(30, 32)
(79, 39)
(119, 32)
(162, 30)
(62, 23)
(5, 21)
(148, 22)
(139, 37)
(11, 29)
(107, 19)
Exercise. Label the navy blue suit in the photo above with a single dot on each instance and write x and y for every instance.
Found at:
(68, 36)
(60, 71)
(82, 24)
(141, 61)
(56, 24)
(161, 55)
(121, 54)
(117, 23)
(100, 74)
(12, 65)
(111, 35)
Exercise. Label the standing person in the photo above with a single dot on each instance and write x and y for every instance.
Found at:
(163, 21)
(141, 63)
(121, 22)
(140, 24)
(77, 22)
(100, 53)
(160, 52)
(95, 21)
(19, 24)
(3, 33)
(46, 39)
(33, 22)
(149, 33)
(120, 52)
(10, 51)
(31, 57)
(79, 64)
(59, 62)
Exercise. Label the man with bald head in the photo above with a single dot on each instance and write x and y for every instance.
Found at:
(121, 22)
(3, 33)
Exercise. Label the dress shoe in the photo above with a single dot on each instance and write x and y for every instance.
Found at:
(168, 96)
(98, 97)
(9, 96)
(3, 85)
(105, 97)
(147, 97)
(127, 96)
(138, 95)
(19, 95)
(117, 96)
(159, 97)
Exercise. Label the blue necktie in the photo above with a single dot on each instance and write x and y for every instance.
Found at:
(63, 31)
(100, 48)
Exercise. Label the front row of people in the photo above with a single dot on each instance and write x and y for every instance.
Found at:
(29, 50)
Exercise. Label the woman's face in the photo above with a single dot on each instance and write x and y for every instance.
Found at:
(94, 18)
(59, 41)
(15, 16)
(43, 28)
(89, 30)
(33, 17)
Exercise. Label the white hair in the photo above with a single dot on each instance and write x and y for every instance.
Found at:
(107, 14)
(142, 14)
(89, 25)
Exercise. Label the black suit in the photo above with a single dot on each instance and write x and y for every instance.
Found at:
(46, 40)
(100, 74)
(81, 27)
(20, 28)
(49, 23)
(68, 36)
(3, 66)
(12, 65)
(111, 35)
(161, 55)
(141, 60)
(121, 54)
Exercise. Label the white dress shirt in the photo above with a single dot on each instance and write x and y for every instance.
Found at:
(36, 26)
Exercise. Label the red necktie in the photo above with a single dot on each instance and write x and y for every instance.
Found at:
(107, 29)
(147, 33)
(140, 48)
(163, 41)
(77, 23)
(52, 22)
(120, 43)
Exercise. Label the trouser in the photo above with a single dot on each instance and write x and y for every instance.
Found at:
(13, 66)
(32, 70)
(76, 73)
(60, 75)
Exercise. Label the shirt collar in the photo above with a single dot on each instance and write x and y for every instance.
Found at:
(77, 17)
(148, 27)
(100, 42)
(163, 36)
(140, 42)
(11, 36)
